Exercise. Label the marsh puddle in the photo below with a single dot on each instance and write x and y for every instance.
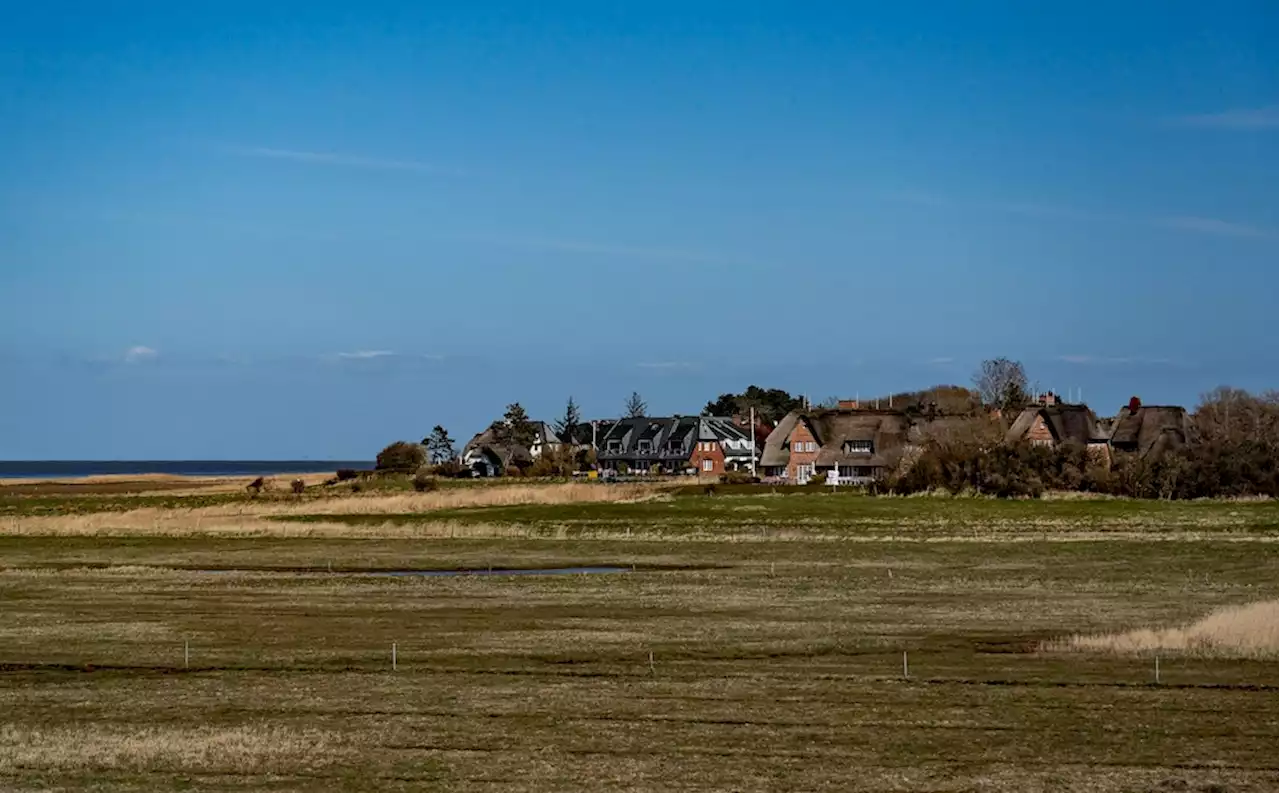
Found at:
(444, 573)
(534, 571)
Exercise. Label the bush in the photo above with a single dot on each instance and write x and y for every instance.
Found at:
(738, 478)
(255, 487)
(401, 456)
(449, 468)
(298, 486)
(356, 487)
(423, 482)
(514, 470)
(346, 474)
(544, 466)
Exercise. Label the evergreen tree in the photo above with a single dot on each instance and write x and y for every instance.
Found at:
(440, 447)
(636, 406)
(568, 423)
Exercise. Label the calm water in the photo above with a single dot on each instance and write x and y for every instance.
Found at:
(62, 469)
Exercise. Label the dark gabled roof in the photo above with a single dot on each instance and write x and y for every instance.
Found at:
(1150, 429)
(1067, 423)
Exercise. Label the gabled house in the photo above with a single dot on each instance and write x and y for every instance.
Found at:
(488, 455)
(700, 444)
(1149, 430)
(854, 444)
(1050, 422)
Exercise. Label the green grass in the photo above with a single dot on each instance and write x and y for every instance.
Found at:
(777, 656)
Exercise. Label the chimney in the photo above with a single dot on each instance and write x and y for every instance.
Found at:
(1134, 404)
(847, 404)
(1048, 398)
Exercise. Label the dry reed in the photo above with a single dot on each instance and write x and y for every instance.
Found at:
(101, 747)
(1248, 631)
(249, 518)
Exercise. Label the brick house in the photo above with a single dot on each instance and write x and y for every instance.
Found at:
(854, 444)
(1050, 422)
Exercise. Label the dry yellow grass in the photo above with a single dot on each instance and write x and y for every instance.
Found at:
(1248, 631)
(248, 518)
(244, 749)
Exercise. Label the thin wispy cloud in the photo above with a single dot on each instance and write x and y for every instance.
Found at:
(139, 354)
(1221, 228)
(340, 160)
(940, 361)
(578, 246)
(1103, 360)
(363, 355)
(1189, 223)
(667, 365)
(1257, 118)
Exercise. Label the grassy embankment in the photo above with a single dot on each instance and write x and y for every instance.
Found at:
(776, 625)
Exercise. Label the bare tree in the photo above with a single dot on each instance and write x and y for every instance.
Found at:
(636, 406)
(1001, 383)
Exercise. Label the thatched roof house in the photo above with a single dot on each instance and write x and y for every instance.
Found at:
(1053, 423)
(855, 443)
(488, 455)
(1150, 430)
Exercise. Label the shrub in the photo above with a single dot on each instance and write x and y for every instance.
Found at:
(514, 470)
(356, 487)
(423, 482)
(450, 468)
(401, 456)
(298, 486)
(738, 478)
(346, 474)
(255, 487)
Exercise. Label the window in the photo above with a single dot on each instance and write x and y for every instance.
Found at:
(810, 446)
(644, 447)
(859, 447)
(614, 446)
(708, 464)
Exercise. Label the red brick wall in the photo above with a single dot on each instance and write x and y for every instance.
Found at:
(801, 435)
(715, 455)
(1039, 431)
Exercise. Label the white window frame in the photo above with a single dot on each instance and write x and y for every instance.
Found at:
(708, 464)
(856, 447)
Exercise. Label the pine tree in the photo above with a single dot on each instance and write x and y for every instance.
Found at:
(439, 445)
(519, 429)
(636, 406)
(568, 424)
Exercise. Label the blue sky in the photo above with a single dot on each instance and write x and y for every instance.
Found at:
(279, 230)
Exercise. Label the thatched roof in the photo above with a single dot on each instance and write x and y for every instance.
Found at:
(1150, 429)
(775, 446)
(886, 429)
(1067, 423)
(507, 454)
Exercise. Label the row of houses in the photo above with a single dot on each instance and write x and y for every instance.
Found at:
(702, 445)
(847, 444)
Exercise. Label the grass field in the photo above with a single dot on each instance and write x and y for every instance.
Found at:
(776, 625)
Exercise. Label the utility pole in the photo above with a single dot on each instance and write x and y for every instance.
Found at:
(753, 440)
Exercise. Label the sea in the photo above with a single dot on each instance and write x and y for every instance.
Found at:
(67, 469)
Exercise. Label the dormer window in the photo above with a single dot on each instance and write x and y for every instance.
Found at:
(644, 447)
(613, 446)
(858, 447)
